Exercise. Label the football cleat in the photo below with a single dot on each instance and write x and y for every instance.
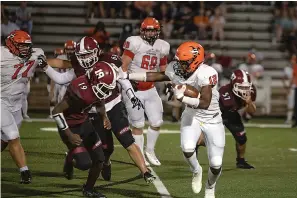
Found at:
(106, 172)
(152, 158)
(26, 177)
(68, 169)
(91, 193)
(197, 181)
(241, 163)
(148, 177)
(209, 192)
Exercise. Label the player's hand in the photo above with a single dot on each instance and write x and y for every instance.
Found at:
(169, 91)
(136, 103)
(248, 100)
(106, 122)
(75, 139)
(179, 93)
(42, 63)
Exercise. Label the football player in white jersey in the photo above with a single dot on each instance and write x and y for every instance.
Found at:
(288, 74)
(201, 114)
(59, 90)
(18, 63)
(146, 53)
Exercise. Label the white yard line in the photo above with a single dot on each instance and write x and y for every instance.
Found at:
(162, 190)
(293, 149)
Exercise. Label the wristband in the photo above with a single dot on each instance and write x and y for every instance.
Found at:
(137, 76)
(61, 121)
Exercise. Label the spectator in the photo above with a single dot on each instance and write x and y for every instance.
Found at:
(24, 20)
(185, 23)
(217, 23)
(143, 9)
(201, 21)
(100, 35)
(255, 70)
(127, 13)
(283, 26)
(163, 14)
(7, 27)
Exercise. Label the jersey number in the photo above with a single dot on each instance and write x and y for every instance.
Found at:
(213, 80)
(148, 62)
(226, 96)
(20, 66)
(83, 86)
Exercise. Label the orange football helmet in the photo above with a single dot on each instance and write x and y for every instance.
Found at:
(19, 43)
(58, 51)
(150, 29)
(190, 55)
(69, 48)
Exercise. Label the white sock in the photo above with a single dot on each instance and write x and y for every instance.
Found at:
(212, 179)
(151, 139)
(51, 109)
(139, 141)
(193, 162)
(24, 168)
(289, 116)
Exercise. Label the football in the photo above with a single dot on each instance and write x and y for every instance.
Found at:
(190, 91)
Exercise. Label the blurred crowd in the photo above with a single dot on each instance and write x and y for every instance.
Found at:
(285, 25)
(15, 19)
(189, 20)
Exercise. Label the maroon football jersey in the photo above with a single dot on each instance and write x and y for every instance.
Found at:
(106, 57)
(80, 98)
(229, 101)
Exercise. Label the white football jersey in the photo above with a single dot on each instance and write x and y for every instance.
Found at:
(15, 74)
(146, 57)
(204, 75)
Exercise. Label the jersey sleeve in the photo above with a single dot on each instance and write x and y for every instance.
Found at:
(170, 71)
(131, 46)
(208, 77)
(60, 78)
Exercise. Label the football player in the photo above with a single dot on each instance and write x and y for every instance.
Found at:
(238, 94)
(145, 53)
(201, 115)
(75, 128)
(18, 63)
(87, 54)
(57, 89)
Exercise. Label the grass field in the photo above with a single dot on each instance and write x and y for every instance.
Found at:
(268, 149)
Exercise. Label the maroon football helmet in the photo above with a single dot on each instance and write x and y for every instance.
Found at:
(102, 78)
(87, 52)
(241, 83)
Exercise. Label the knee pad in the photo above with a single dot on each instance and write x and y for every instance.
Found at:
(241, 138)
(138, 125)
(216, 162)
(188, 147)
(157, 123)
(188, 154)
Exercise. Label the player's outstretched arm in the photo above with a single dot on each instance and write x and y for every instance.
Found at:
(62, 124)
(149, 76)
(60, 78)
(250, 106)
(58, 63)
(126, 60)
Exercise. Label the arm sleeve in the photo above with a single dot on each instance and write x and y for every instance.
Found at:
(60, 78)
(127, 87)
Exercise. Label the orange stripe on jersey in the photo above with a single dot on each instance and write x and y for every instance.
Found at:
(129, 53)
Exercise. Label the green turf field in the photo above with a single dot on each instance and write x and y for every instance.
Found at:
(268, 149)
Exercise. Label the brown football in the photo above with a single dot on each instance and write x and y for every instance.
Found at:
(190, 91)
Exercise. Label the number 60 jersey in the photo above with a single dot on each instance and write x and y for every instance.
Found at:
(15, 74)
(203, 76)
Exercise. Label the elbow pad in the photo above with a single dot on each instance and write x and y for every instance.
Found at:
(61, 121)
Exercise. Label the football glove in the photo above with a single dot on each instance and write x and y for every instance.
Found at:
(42, 63)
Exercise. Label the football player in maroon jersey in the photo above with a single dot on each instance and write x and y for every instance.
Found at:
(75, 128)
(87, 54)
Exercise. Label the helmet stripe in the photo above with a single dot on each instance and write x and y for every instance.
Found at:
(245, 78)
(82, 44)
